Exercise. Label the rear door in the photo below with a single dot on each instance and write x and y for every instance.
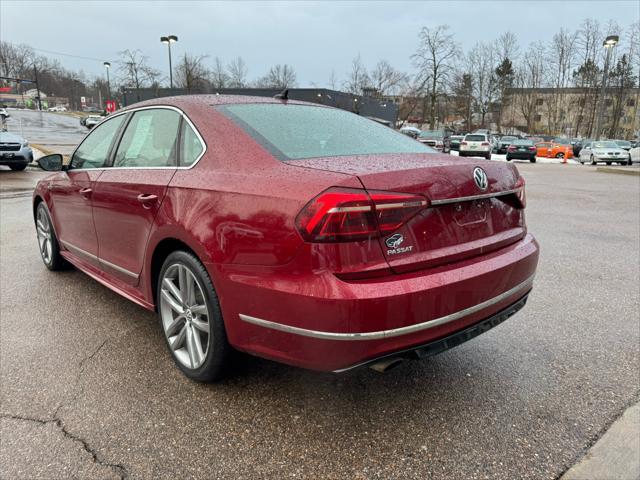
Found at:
(127, 196)
(543, 149)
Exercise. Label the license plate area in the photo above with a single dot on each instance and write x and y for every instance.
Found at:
(467, 213)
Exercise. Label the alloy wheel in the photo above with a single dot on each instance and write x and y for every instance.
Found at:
(43, 228)
(185, 315)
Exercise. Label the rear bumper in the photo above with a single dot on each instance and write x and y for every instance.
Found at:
(317, 321)
(473, 153)
(521, 155)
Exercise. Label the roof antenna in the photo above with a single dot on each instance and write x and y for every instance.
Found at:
(283, 95)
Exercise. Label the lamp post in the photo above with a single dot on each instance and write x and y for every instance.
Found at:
(609, 43)
(169, 39)
(107, 66)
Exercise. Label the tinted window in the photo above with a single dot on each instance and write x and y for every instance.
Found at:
(149, 140)
(508, 139)
(476, 138)
(293, 132)
(93, 151)
(523, 142)
(191, 147)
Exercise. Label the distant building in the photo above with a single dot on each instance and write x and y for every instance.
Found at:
(572, 111)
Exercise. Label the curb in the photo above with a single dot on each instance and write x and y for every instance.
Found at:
(619, 171)
(616, 455)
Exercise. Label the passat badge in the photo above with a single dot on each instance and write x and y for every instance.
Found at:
(480, 177)
(394, 242)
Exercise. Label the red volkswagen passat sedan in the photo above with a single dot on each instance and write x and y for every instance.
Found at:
(292, 231)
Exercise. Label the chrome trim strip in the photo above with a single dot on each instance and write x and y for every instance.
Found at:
(71, 246)
(119, 269)
(393, 332)
(364, 208)
(148, 107)
(474, 197)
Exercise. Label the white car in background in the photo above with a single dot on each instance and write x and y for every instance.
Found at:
(606, 151)
(59, 108)
(634, 153)
(476, 145)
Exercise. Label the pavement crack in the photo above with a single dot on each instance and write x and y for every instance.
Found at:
(118, 468)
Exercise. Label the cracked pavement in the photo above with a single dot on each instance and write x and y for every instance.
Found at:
(88, 389)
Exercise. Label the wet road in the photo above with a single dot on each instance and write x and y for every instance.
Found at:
(59, 133)
(89, 390)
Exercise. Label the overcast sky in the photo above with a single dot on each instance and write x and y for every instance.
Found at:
(314, 37)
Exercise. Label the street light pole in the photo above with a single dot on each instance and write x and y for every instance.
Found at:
(35, 73)
(169, 39)
(107, 66)
(609, 43)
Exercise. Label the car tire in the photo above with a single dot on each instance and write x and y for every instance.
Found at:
(608, 164)
(47, 241)
(184, 331)
(629, 162)
(19, 167)
(532, 160)
(560, 155)
(508, 158)
(593, 160)
(488, 156)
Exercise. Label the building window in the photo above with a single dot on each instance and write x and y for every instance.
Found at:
(608, 102)
(539, 101)
(538, 118)
(631, 102)
(582, 102)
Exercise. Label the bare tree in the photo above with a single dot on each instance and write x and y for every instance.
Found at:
(358, 77)
(386, 79)
(463, 97)
(333, 82)
(586, 76)
(191, 74)
(507, 52)
(218, 75)
(134, 69)
(529, 78)
(237, 73)
(559, 62)
(278, 76)
(482, 62)
(434, 59)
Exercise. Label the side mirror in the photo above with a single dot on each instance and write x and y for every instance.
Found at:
(51, 163)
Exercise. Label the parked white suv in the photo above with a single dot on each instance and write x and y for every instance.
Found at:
(476, 145)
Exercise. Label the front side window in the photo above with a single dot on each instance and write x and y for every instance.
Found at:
(149, 140)
(294, 132)
(190, 146)
(94, 150)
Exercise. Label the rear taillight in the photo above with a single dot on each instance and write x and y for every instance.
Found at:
(463, 143)
(347, 214)
(485, 144)
(533, 149)
(511, 148)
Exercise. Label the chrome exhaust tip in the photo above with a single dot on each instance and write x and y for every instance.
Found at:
(386, 364)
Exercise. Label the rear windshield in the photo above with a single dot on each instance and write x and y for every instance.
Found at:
(293, 132)
(476, 138)
(431, 134)
(523, 142)
(507, 139)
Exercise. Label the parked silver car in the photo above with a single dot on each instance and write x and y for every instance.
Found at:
(606, 151)
(15, 151)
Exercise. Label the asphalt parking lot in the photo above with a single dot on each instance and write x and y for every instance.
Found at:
(89, 390)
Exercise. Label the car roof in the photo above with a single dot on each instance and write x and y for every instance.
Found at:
(198, 101)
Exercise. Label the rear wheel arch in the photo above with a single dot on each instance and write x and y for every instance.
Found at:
(161, 251)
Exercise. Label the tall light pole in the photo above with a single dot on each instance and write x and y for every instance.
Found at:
(169, 39)
(610, 42)
(107, 66)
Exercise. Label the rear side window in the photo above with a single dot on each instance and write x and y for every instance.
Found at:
(292, 132)
(149, 140)
(476, 138)
(190, 145)
(93, 151)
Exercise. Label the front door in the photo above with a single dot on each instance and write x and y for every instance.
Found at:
(72, 191)
(127, 196)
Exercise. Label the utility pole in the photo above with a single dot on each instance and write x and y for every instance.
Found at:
(35, 72)
(609, 43)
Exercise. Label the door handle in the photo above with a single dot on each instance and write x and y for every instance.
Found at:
(147, 200)
(86, 192)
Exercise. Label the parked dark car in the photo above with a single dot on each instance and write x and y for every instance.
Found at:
(504, 142)
(438, 139)
(522, 149)
(579, 145)
(455, 142)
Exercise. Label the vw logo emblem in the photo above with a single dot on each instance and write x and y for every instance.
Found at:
(480, 177)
